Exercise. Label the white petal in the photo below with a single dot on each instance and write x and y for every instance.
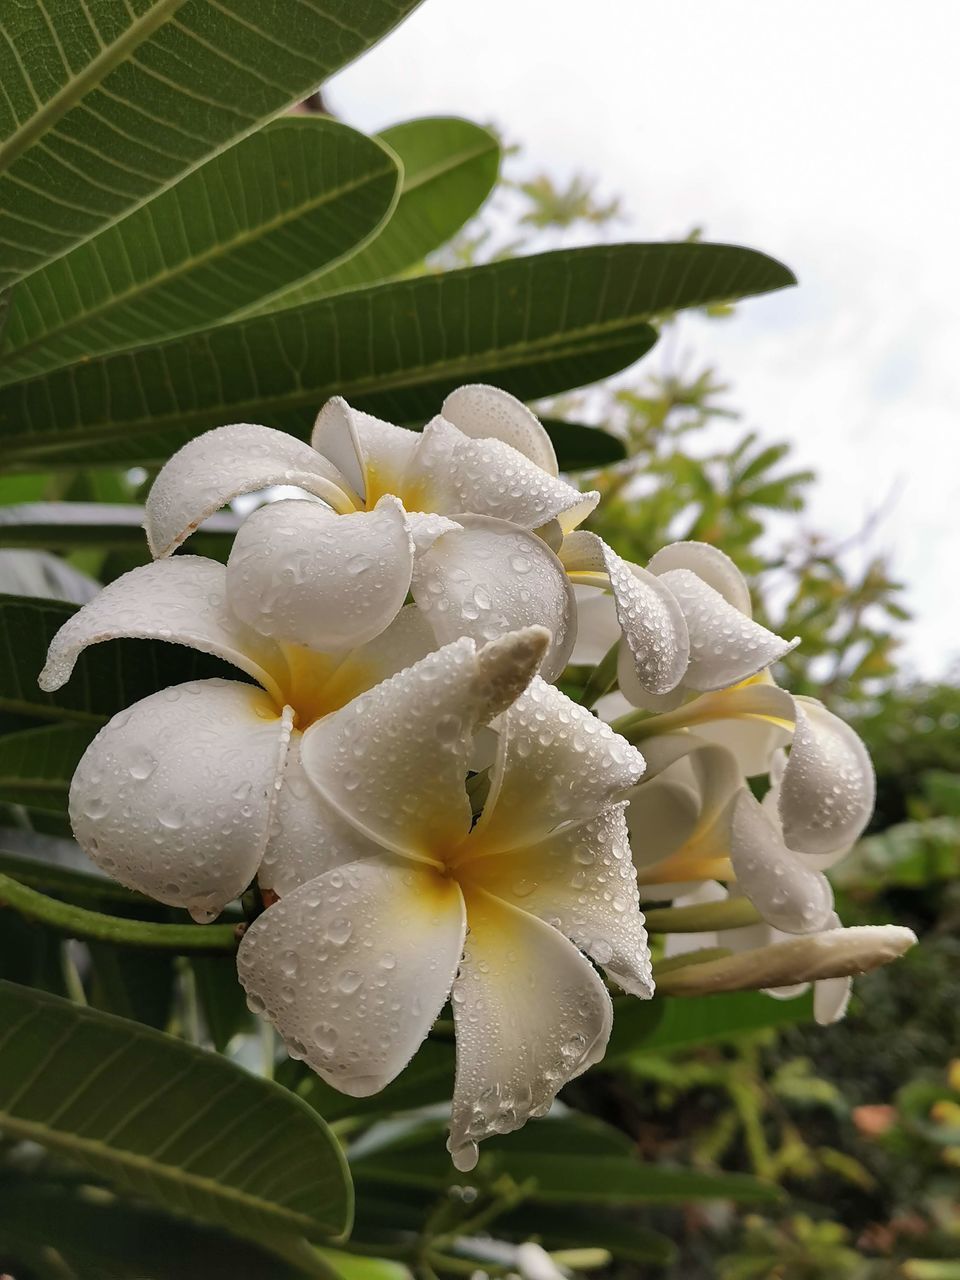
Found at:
(709, 563)
(353, 968)
(393, 762)
(222, 464)
(650, 618)
(662, 816)
(491, 577)
(597, 625)
(753, 721)
(183, 600)
(307, 836)
(301, 573)
(173, 796)
(831, 996)
(725, 645)
(372, 454)
(452, 473)
(483, 412)
(787, 893)
(426, 528)
(530, 1012)
(637, 696)
(582, 881)
(828, 786)
(556, 764)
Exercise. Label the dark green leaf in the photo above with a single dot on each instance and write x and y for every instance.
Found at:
(107, 526)
(449, 169)
(579, 447)
(36, 765)
(105, 106)
(299, 194)
(163, 1119)
(222, 1001)
(571, 1227)
(107, 679)
(534, 326)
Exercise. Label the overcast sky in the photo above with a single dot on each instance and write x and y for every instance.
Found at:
(822, 133)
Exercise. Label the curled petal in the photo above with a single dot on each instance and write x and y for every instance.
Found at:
(307, 836)
(393, 761)
(787, 893)
(173, 796)
(531, 1014)
(725, 645)
(752, 720)
(353, 968)
(828, 787)
(650, 617)
(183, 600)
(489, 578)
(598, 628)
(453, 473)
(556, 765)
(831, 996)
(662, 817)
(832, 954)
(220, 465)
(582, 882)
(710, 564)
(301, 573)
(372, 454)
(482, 412)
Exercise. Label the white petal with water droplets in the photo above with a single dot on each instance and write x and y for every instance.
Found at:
(556, 764)
(301, 573)
(530, 1012)
(653, 626)
(828, 787)
(725, 645)
(481, 411)
(709, 563)
(393, 761)
(491, 577)
(307, 836)
(787, 893)
(452, 473)
(582, 882)
(173, 796)
(372, 454)
(183, 600)
(224, 463)
(353, 968)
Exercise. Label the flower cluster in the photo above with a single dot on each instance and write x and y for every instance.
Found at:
(428, 817)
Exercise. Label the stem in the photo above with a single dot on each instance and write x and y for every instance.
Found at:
(684, 961)
(601, 678)
(735, 913)
(78, 922)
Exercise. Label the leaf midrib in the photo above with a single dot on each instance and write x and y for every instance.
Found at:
(13, 354)
(55, 108)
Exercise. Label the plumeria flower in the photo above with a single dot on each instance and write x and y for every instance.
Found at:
(401, 898)
(782, 965)
(484, 458)
(694, 818)
(178, 795)
(720, 646)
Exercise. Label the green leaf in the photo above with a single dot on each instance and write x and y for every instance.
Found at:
(103, 1238)
(570, 1227)
(163, 1119)
(449, 168)
(428, 1079)
(66, 882)
(579, 447)
(663, 1025)
(107, 679)
(301, 193)
(36, 765)
(106, 526)
(106, 106)
(534, 326)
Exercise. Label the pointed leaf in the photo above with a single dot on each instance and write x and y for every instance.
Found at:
(534, 326)
(299, 194)
(163, 1119)
(105, 106)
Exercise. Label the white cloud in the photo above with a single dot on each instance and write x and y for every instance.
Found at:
(821, 133)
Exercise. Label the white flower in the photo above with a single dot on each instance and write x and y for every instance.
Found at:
(694, 818)
(403, 900)
(485, 458)
(717, 644)
(176, 795)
